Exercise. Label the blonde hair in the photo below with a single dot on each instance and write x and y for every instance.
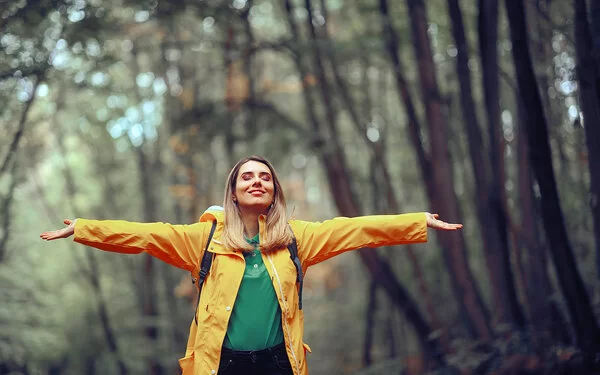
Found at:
(277, 233)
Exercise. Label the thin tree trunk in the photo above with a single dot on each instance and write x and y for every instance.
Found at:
(90, 366)
(59, 368)
(370, 324)
(338, 162)
(575, 294)
(93, 273)
(393, 347)
(251, 41)
(440, 188)
(5, 208)
(392, 43)
(172, 110)
(493, 249)
(543, 55)
(379, 163)
(495, 218)
(11, 157)
(347, 204)
(149, 205)
(14, 145)
(588, 73)
(149, 307)
(544, 314)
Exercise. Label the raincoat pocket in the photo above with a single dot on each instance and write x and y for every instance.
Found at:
(187, 364)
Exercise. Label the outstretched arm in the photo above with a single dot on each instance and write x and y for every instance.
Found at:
(178, 245)
(318, 241)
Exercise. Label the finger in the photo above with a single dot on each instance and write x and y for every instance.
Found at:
(67, 221)
(436, 215)
(449, 226)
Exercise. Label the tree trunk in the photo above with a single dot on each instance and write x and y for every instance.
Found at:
(414, 127)
(334, 163)
(489, 203)
(578, 302)
(250, 42)
(439, 179)
(588, 74)
(172, 111)
(149, 205)
(544, 314)
(93, 274)
(90, 366)
(10, 156)
(337, 160)
(370, 324)
(149, 308)
(382, 179)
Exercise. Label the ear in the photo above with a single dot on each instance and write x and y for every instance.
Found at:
(233, 197)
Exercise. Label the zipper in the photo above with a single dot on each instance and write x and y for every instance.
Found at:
(286, 328)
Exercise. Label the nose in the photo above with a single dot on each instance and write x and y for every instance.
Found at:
(256, 181)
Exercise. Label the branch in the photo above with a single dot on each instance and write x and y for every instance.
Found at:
(17, 138)
(6, 204)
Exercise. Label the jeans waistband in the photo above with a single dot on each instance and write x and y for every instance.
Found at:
(226, 352)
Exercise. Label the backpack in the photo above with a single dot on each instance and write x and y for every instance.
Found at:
(207, 259)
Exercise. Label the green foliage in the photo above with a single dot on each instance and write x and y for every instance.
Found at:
(167, 82)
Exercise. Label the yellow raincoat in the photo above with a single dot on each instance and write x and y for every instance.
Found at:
(183, 246)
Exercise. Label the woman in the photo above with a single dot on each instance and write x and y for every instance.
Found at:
(248, 319)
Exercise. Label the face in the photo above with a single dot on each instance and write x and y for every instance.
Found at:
(254, 188)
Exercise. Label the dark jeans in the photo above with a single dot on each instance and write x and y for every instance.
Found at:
(270, 361)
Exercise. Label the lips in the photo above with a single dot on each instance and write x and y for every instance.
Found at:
(256, 192)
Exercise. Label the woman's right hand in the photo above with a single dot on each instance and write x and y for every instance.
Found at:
(61, 233)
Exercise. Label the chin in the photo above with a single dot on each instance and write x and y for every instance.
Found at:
(257, 207)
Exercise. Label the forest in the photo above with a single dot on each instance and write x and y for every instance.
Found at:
(485, 112)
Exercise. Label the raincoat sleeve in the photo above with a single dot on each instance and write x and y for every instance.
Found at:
(318, 241)
(178, 245)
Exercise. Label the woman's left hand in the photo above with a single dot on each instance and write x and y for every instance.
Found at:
(433, 222)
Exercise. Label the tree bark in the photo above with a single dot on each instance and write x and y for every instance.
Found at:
(10, 156)
(489, 200)
(6, 214)
(370, 324)
(149, 204)
(149, 308)
(334, 163)
(337, 160)
(379, 164)
(14, 145)
(549, 326)
(251, 41)
(93, 275)
(575, 294)
(439, 178)
(588, 74)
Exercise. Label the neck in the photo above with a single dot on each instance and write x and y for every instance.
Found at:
(250, 220)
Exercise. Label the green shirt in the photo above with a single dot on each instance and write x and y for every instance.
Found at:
(255, 321)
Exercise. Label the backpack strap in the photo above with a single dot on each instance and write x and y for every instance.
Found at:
(207, 259)
(293, 249)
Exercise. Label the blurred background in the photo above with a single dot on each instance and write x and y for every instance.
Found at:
(486, 112)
